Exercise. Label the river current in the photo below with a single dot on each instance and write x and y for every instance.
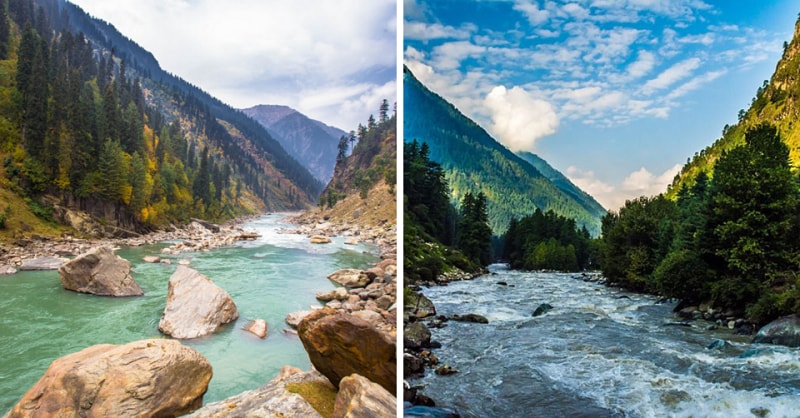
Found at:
(267, 278)
(600, 352)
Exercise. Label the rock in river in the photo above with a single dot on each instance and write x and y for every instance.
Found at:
(100, 272)
(542, 309)
(351, 278)
(340, 344)
(360, 398)
(278, 398)
(43, 263)
(478, 319)
(143, 378)
(195, 306)
(257, 327)
(319, 239)
(782, 331)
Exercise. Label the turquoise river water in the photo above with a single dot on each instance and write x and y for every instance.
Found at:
(267, 278)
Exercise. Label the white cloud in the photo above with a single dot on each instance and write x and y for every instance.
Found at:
(671, 75)
(424, 31)
(449, 55)
(531, 10)
(694, 84)
(642, 66)
(638, 183)
(644, 183)
(575, 10)
(518, 119)
(252, 52)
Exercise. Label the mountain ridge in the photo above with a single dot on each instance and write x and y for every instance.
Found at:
(311, 142)
(475, 162)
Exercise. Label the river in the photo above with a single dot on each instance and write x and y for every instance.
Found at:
(267, 278)
(600, 352)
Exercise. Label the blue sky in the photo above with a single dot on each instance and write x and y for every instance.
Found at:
(333, 61)
(616, 94)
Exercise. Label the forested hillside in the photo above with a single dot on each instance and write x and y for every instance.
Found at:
(727, 232)
(777, 101)
(89, 121)
(474, 162)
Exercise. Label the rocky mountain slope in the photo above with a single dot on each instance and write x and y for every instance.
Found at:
(312, 143)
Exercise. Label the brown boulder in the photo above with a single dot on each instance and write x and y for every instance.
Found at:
(360, 398)
(142, 378)
(195, 306)
(340, 344)
(278, 398)
(319, 239)
(351, 278)
(100, 272)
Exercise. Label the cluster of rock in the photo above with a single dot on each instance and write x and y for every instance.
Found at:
(718, 317)
(384, 236)
(35, 252)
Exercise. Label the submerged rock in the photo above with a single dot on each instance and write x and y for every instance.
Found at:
(478, 319)
(42, 263)
(360, 398)
(782, 331)
(542, 309)
(144, 378)
(340, 344)
(100, 272)
(195, 306)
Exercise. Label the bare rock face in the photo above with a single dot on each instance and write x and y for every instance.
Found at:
(340, 344)
(195, 306)
(351, 278)
(100, 272)
(143, 378)
(360, 398)
(271, 400)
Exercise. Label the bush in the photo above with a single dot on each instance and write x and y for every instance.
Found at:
(682, 275)
(4, 217)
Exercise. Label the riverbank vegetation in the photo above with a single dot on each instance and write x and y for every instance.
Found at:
(439, 237)
(731, 239)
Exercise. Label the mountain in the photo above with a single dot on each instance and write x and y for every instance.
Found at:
(777, 101)
(475, 162)
(312, 143)
(92, 123)
(563, 183)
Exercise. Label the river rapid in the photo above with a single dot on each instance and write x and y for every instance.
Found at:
(267, 278)
(600, 352)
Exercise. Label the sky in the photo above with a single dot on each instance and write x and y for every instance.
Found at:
(334, 61)
(615, 94)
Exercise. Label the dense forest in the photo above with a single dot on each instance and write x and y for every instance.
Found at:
(438, 237)
(731, 239)
(476, 163)
(81, 126)
(548, 241)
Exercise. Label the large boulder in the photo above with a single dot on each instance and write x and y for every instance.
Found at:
(782, 331)
(340, 344)
(293, 318)
(418, 305)
(416, 335)
(351, 278)
(195, 305)
(281, 397)
(360, 398)
(143, 378)
(100, 272)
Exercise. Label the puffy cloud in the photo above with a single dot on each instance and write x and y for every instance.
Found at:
(518, 119)
(638, 183)
(643, 182)
(531, 10)
(642, 66)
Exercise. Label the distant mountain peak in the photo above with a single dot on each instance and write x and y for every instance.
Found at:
(311, 142)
